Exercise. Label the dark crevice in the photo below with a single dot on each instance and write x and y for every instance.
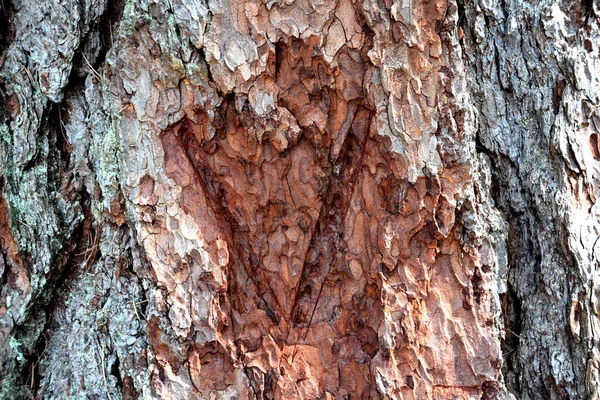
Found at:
(478, 286)
(57, 157)
(462, 14)
(269, 386)
(522, 251)
(116, 372)
(511, 313)
(6, 27)
(128, 391)
(209, 73)
(588, 10)
(3, 270)
(4, 267)
(504, 8)
(557, 93)
(594, 146)
(499, 70)
(89, 59)
(108, 26)
(253, 384)
(62, 146)
(175, 26)
(49, 299)
(495, 186)
(499, 184)
(279, 49)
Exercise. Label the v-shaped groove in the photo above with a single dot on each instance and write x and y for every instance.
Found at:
(323, 224)
(237, 238)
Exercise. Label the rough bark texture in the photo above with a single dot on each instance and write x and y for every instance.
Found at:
(534, 77)
(299, 199)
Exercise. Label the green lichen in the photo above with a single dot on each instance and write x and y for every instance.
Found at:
(15, 346)
(5, 135)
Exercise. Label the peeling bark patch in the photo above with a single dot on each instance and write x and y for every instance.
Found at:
(309, 201)
(15, 272)
(204, 361)
(129, 392)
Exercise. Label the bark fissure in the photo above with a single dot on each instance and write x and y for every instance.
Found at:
(50, 301)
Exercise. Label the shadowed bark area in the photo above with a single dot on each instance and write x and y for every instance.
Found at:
(298, 199)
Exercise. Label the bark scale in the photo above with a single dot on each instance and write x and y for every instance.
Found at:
(299, 199)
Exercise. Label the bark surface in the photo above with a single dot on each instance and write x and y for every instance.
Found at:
(299, 199)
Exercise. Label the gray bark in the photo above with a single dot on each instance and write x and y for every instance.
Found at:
(533, 74)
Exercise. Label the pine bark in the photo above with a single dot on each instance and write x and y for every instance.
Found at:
(299, 199)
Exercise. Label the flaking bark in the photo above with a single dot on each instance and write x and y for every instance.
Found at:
(299, 199)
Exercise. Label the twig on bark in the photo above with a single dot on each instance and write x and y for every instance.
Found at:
(62, 127)
(135, 309)
(509, 331)
(96, 74)
(90, 251)
(32, 376)
(104, 372)
(507, 353)
(29, 74)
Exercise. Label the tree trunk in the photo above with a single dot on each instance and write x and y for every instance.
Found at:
(299, 199)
